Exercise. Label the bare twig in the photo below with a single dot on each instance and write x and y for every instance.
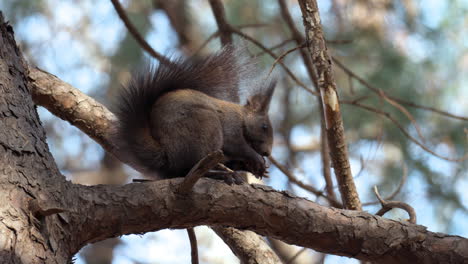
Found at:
(403, 130)
(304, 186)
(216, 33)
(273, 55)
(397, 190)
(132, 29)
(193, 245)
(203, 45)
(401, 101)
(281, 57)
(204, 165)
(279, 45)
(389, 205)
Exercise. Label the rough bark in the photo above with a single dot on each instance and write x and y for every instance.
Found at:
(247, 246)
(257, 208)
(27, 170)
(220, 16)
(327, 85)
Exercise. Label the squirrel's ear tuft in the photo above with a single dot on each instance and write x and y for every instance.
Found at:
(260, 102)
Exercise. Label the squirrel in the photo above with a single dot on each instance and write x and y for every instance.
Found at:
(173, 115)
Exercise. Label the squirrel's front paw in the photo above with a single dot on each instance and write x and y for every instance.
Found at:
(257, 166)
(226, 176)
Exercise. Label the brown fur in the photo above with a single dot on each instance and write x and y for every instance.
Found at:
(170, 118)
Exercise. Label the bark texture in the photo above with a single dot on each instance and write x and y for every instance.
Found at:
(28, 174)
(327, 85)
(247, 246)
(260, 209)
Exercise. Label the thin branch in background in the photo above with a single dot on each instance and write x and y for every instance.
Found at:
(132, 29)
(220, 17)
(273, 55)
(363, 166)
(350, 84)
(325, 159)
(279, 45)
(304, 186)
(384, 96)
(282, 56)
(389, 205)
(397, 190)
(405, 133)
(216, 34)
(193, 245)
(401, 101)
(299, 38)
(205, 43)
(177, 13)
(296, 255)
(339, 41)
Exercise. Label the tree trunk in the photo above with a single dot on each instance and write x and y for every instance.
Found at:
(27, 170)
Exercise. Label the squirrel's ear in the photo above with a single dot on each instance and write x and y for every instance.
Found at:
(260, 102)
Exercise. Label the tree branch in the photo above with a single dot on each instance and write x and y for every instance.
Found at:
(138, 37)
(257, 208)
(220, 16)
(327, 85)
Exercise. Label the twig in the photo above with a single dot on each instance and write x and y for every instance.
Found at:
(296, 256)
(204, 165)
(299, 38)
(216, 33)
(401, 101)
(132, 29)
(325, 157)
(279, 45)
(389, 205)
(307, 187)
(273, 55)
(203, 45)
(281, 57)
(383, 95)
(397, 190)
(193, 245)
(411, 138)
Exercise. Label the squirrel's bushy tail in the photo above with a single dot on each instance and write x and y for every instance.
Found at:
(217, 75)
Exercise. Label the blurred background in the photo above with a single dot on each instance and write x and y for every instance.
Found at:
(416, 51)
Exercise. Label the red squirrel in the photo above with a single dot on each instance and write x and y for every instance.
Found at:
(171, 116)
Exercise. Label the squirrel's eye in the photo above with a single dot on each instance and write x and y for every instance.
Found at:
(264, 126)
